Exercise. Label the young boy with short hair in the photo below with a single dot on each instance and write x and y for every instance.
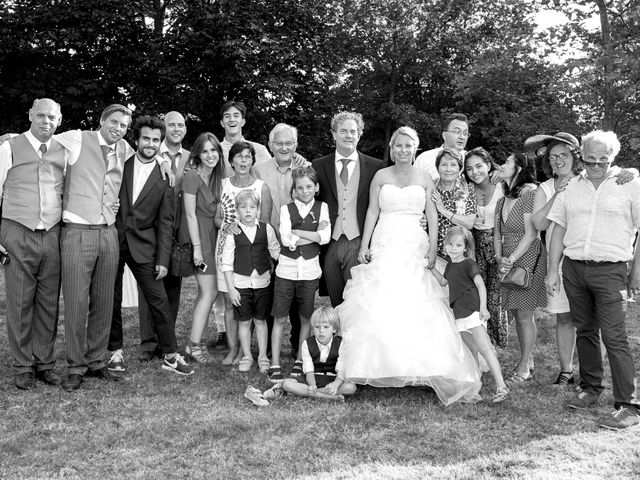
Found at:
(246, 267)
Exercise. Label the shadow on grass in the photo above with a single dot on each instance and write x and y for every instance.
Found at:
(158, 424)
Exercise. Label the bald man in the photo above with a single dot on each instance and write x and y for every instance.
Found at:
(32, 167)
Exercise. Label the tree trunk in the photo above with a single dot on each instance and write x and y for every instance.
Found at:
(608, 100)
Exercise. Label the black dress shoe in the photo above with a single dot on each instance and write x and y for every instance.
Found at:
(72, 382)
(48, 376)
(104, 374)
(25, 381)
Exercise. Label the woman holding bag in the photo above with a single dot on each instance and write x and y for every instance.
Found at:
(518, 248)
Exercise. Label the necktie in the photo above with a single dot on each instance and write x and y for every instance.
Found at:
(174, 159)
(344, 174)
(43, 148)
(105, 154)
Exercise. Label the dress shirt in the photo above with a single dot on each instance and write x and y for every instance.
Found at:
(173, 158)
(255, 280)
(6, 162)
(141, 172)
(350, 166)
(600, 223)
(300, 268)
(426, 161)
(307, 361)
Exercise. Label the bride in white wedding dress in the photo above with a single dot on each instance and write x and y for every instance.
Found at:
(396, 323)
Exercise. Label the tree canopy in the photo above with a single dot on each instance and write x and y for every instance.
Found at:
(299, 61)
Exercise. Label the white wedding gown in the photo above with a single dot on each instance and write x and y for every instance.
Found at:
(397, 327)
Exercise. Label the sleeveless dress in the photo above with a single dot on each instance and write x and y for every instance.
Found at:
(397, 327)
(228, 209)
(534, 260)
(558, 303)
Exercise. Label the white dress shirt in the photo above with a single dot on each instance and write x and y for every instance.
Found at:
(350, 166)
(307, 361)
(141, 172)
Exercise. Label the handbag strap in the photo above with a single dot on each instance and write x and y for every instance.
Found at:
(178, 216)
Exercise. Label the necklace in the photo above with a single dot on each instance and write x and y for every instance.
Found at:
(481, 198)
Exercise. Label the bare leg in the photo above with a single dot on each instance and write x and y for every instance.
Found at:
(261, 335)
(566, 339)
(244, 332)
(305, 331)
(232, 330)
(527, 333)
(483, 344)
(207, 293)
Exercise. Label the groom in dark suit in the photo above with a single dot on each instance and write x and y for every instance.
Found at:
(145, 227)
(344, 176)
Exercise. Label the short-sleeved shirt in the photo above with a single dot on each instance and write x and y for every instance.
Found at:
(600, 223)
(463, 293)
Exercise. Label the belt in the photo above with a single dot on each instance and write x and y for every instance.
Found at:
(85, 226)
(595, 263)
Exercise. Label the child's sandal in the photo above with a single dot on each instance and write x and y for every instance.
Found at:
(263, 364)
(296, 371)
(245, 364)
(501, 394)
(275, 374)
(518, 379)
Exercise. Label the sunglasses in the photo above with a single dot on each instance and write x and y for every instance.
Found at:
(595, 164)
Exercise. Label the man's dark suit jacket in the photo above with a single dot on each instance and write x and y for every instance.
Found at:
(325, 167)
(326, 170)
(147, 225)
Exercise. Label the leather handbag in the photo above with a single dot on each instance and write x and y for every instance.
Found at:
(519, 277)
(181, 264)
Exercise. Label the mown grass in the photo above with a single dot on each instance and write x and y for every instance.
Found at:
(157, 425)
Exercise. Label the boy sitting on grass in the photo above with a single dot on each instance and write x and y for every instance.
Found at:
(321, 362)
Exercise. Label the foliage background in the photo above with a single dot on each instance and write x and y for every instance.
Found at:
(396, 61)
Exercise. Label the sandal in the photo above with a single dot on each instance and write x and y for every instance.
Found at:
(196, 353)
(500, 395)
(296, 371)
(263, 363)
(519, 379)
(238, 359)
(255, 396)
(564, 379)
(275, 374)
(244, 365)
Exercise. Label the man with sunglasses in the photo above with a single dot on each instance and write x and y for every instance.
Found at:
(596, 223)
(455, 133)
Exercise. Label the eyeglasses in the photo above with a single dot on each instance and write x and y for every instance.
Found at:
(596, 164)
(564, 156)
(458, 132)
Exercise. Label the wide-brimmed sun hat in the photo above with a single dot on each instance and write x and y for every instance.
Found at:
(537, 145)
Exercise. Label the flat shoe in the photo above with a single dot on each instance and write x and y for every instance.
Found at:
(255, 396)
(519, 379)
(500, 395)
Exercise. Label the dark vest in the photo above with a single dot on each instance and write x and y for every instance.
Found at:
(250, 256)
(328, 367)
(310, 224)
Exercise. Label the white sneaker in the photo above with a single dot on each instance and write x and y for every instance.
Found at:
(255, 396)
(177, 365)
(116, 363)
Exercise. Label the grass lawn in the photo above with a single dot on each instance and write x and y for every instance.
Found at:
(158, 425)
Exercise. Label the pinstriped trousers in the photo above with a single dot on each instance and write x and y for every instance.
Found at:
(341, 256)
(33, 289)
(89, 259)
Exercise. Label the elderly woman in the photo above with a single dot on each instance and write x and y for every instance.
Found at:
(453, 197)
(479, 167)
(242, 157)
(516, 243)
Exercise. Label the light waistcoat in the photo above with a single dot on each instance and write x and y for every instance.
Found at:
(32, 181)
(90, 190)
(347, 220)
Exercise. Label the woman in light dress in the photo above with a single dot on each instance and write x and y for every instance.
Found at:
(396, 323)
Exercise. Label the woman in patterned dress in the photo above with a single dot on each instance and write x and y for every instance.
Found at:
(242, 157)
(453, 197)
(516, 242)
(479, 167)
